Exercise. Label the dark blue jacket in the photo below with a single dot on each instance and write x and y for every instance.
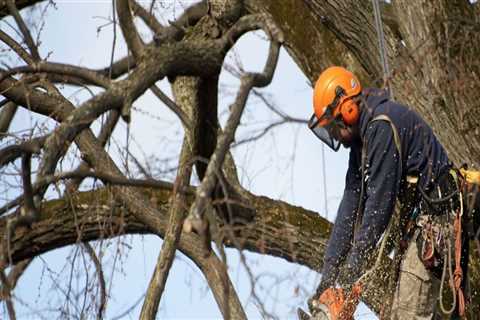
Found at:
(384, 175)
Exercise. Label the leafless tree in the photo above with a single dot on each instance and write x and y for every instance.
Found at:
(434, 58)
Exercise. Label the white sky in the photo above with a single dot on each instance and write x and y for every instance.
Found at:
(285, 164)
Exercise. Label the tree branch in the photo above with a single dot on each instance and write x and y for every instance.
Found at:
(177, 214)
(248, 81)
(147, 17)
(10, 153)
(16, 47)
(279, 229)
(7, 295)
(6, 116)
(103, 137)
(101, 278)
(119, 68)
(129, 29)
(171, 105)
(176, 29)
(23, 28)
(88, 76)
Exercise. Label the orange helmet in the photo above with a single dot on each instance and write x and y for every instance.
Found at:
(333, 104)
(332, 96)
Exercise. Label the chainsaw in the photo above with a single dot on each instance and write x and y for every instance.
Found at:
(321, 313)
(333, 305)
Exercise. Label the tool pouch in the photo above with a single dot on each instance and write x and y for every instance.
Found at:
(434, 232)
(436, 220)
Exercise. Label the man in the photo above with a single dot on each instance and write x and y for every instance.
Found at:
(391, 149)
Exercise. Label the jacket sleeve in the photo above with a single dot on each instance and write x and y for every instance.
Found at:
(382, 183)
(342, 233)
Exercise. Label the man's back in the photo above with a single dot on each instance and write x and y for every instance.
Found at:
(422, 153)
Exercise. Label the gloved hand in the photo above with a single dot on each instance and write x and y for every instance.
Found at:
(333, 305)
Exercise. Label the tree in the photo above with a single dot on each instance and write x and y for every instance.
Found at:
(435, 71)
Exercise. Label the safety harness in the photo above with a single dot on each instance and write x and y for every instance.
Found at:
(436, 236)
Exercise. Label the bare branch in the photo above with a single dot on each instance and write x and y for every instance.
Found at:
(6, 295)
(147, 17)
(129, 30)
(12, 152)
(82, 173)
(176, 29)
(171, 105)
(23, 28)
(250, 23)
(20, 93)
(118, 68)
(29, 208)
(6, 116)
(17, 271)
(248, 81)
(101, 278)
(177, 214)
(103, 137)
(16, 47)
(89, 76)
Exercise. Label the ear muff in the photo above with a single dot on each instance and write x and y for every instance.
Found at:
(349, 111)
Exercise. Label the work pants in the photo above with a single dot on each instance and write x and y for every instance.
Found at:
(416, 294)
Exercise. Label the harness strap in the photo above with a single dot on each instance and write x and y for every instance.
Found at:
(398, 145)
(383, 243)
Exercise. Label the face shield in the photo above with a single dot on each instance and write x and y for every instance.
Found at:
(330, 130)
(326, 133)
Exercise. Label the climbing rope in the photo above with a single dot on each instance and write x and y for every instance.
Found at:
(381, 44)
(455, 278)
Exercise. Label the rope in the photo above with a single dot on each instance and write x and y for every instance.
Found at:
(447, 262)
(381, 44)
(457, 276)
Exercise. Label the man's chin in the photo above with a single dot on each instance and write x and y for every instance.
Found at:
(346, 144)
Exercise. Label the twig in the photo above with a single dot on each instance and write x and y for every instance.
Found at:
(171, 105)
(101, 278)
(147, 17)
(126, 312)
(175, 31)
(23, 28)
(10, 153)
(9, 41)
(114, 41)
(81, 173)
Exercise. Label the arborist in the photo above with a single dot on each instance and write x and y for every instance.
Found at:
(395, 160)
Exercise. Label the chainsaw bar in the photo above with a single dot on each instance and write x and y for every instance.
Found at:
(321, 314)
(302, 315)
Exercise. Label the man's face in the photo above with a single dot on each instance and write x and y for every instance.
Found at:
(335, 133)
(344, 134)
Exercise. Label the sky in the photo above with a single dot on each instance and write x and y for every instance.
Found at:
(286, 164)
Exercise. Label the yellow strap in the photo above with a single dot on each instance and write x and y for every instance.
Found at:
(472, 176)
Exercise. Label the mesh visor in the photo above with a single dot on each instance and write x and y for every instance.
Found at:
(324, 133)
